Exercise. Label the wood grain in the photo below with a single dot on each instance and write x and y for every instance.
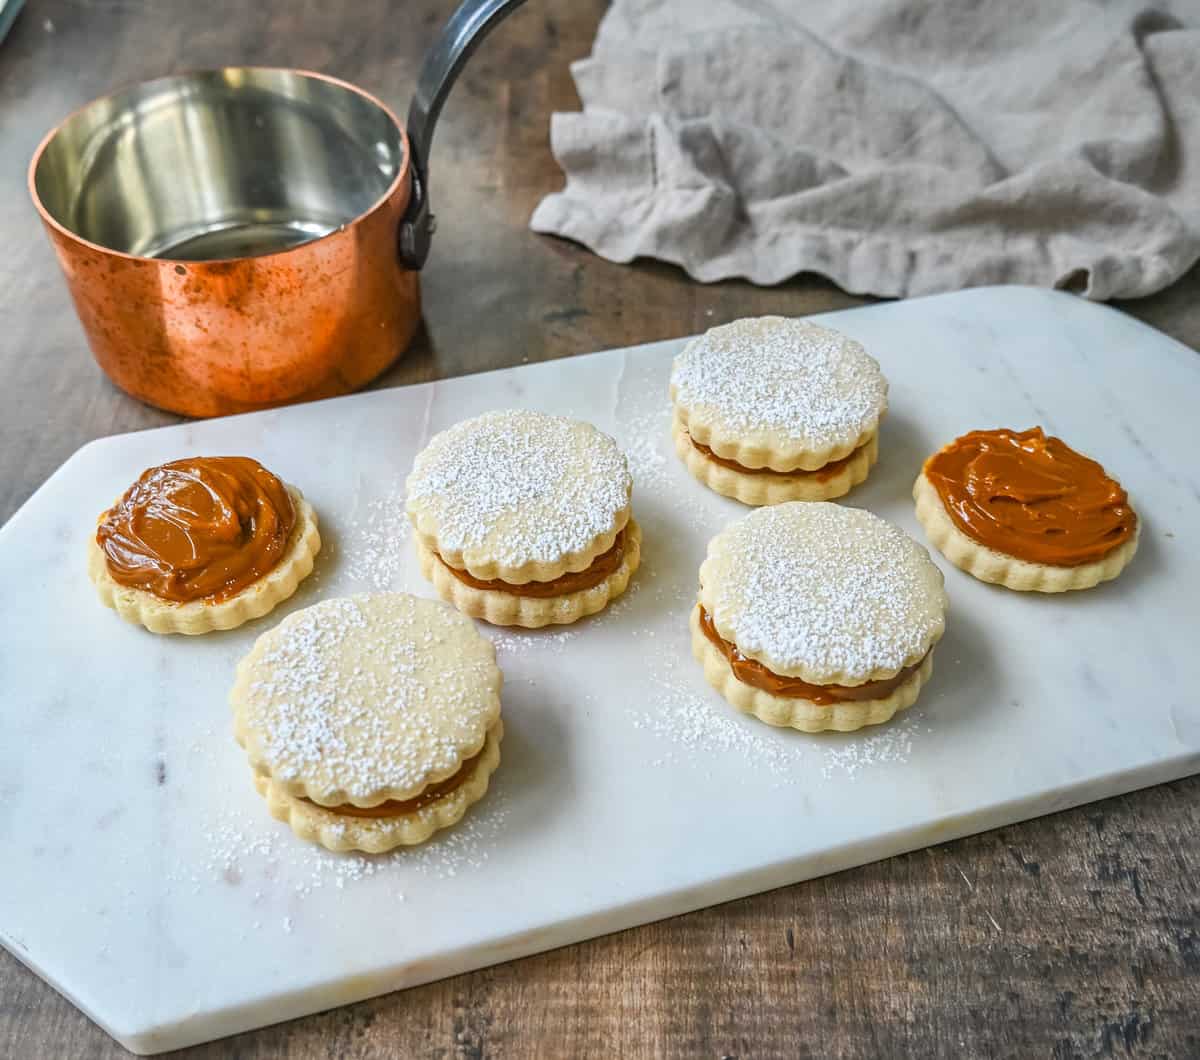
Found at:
(1077, 935)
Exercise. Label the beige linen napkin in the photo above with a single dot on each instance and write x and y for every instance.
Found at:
(897, 147)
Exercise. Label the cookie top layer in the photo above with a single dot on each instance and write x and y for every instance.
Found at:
(520, 496)
(366, 698)
(779, 393)
(828, 594)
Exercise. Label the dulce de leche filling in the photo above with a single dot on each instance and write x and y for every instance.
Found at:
(203, 528)
(753, 673)
(395, 807)
(820, 474)
(576, 581)
(1031, 497)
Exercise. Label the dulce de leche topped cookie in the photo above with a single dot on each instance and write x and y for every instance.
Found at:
(1024, 510)
(203, 543)
(198, 529)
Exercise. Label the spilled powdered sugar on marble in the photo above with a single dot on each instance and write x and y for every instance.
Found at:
(264, 857)
(823, 588)
(555, 485)
(377, 557)
(849, 755)
(815, 386)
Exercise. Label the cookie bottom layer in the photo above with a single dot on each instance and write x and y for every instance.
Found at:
(509, 609)
(375, 835)
(794, 712)
(774, 487)
(998, 568)
(199, 616)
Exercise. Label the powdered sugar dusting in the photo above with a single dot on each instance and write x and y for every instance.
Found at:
(816, 387)
(382, 529)
(892, 743)
(520, 487)
(702, 727)
(356, 696)
(250, 850)
(823, 590)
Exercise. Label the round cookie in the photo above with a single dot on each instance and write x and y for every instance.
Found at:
(1025, 511)
(523, 518)
(776, 395)
(816, 616)
(201, 544)
(370, 721)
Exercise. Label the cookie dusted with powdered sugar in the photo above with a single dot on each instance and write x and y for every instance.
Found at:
(816, 616)
(370, 721)
(523, 518)
(771, 409)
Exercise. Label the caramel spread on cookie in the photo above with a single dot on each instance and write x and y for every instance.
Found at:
(1031, 497)
(198, 529)
(821, 474)
(395, 807)
(753, 673)
(601, 567)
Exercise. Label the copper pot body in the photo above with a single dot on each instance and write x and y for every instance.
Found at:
(230, 238)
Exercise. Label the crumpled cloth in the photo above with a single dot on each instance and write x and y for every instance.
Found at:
(897, 147)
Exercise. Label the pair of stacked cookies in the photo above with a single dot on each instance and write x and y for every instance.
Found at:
(810, 615)
(524, 519)
(771, 409)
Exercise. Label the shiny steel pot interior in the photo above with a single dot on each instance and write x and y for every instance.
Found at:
(246, 237)
(222, 164)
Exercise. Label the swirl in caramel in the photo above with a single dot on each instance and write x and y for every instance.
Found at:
(1031, 497)
(203, 528)
(752, 672)
(573, 582)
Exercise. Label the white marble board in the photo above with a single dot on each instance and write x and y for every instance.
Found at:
(142, 877)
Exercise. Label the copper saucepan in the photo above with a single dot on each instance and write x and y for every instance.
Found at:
(246, 237)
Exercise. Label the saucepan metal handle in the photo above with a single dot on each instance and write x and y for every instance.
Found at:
(443, 62)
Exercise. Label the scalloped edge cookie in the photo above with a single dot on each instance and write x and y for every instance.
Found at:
(571, 563)
(710, 576)
(508, 609)
(764, 446)
(479, 559)
(773, 457)
(775, 487)
(794, 712)
(143, 608)
(377, 835)
(999, 568)
(464, 744)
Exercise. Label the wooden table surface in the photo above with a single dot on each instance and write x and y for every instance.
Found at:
(1074, 935)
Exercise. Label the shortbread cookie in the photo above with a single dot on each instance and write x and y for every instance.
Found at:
(759, 486)
(1018, 509)
(201, 544)
(535, 604)
(370, 721)
(817, 617)
(523, 518)
(771, 409)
